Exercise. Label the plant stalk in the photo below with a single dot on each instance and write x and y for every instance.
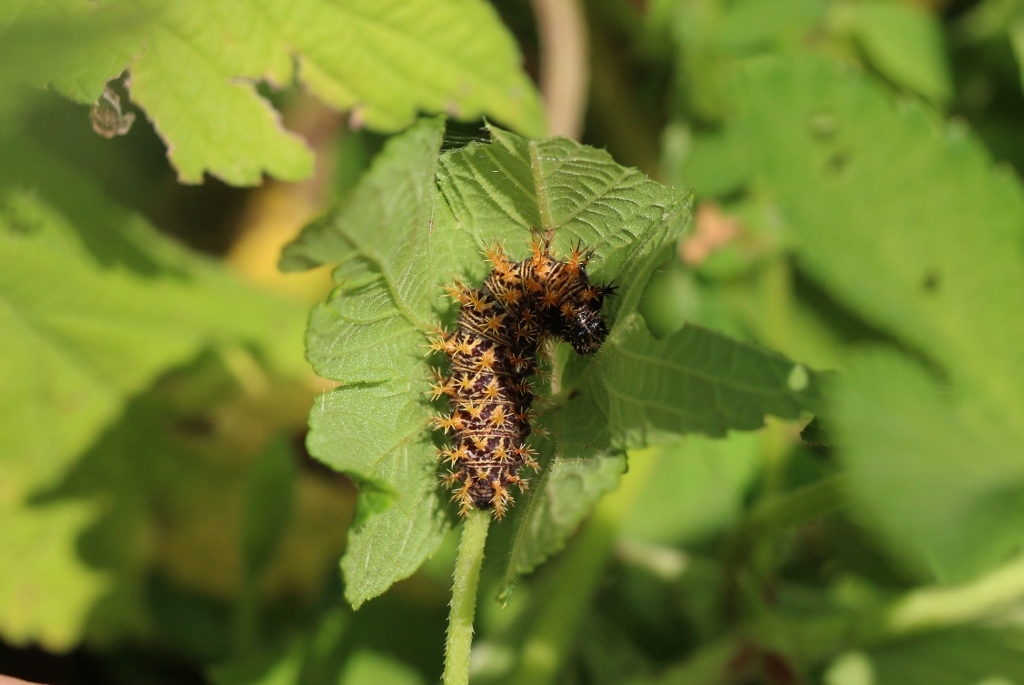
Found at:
(464, 590)
(580, 570)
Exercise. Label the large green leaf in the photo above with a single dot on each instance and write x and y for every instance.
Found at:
(94, 305)
(906, 221)
(904, 42)
(699, 490)
(909, 223)
(399, 240)
(402, 236)
(194, 64)
(41, 43)
(943, 480)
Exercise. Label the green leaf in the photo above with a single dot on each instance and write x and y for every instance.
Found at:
(750, 24)
(114, 546)
(907, 223)
(402, 236)
(44, 43)
(366, 666)
(1016, 34)
(817, 434)
(387, 60)
(711, 163)
(905, 43)
(94, 305)
(932, 283)
(368, 336)
(638, 389)
(214, 121)
(694, 381)
(399, 239)
(268, 668)
(569, 487)
(944, 482)
(699, 489)
(384, 61)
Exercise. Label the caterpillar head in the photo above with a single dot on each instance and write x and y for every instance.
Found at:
(580, 321)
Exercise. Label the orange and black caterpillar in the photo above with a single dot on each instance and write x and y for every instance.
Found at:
(493, 353)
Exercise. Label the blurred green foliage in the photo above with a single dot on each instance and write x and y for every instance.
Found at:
(854, 167)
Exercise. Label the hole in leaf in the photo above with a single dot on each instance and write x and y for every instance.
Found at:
(837, 162)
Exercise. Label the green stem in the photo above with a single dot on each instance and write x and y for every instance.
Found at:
(464, 590)
(940, 607)
(246, 614)
(580, 570)
(798, 506)
(751, 547)
(578, 573)
(776, 294)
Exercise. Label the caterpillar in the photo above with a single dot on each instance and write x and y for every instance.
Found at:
(493, 353)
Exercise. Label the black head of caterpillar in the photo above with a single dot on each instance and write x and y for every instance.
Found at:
(493, 353)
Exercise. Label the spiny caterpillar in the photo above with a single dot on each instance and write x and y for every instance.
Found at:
(493, 352)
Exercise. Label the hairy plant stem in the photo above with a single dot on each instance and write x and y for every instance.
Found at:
(464, 590)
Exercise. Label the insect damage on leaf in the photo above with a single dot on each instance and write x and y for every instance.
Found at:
(493, 352)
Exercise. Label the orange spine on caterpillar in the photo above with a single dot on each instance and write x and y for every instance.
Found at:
(493, 353)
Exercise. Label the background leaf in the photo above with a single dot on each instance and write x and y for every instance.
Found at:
(699, 490)
(946, 484)
(269, 505)
(94, 305)
(385, 61)
(904, 42)
(938, 277)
